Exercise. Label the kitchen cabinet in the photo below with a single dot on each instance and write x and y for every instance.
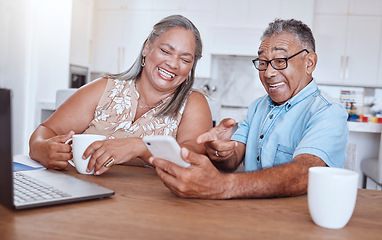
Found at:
(348, 41)
(120, 28)
(226, 27)
(81, 32)
(123, 5)
(184, 5)
(356, 7)
(257, 14)
(240, 24)
(201, 13)
(118, 37)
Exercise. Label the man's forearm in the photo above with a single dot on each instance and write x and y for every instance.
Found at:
(290, 179)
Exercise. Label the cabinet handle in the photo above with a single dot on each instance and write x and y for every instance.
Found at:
(90, 56)
(341, 67)
(123, 58)
(119, 59)
(347, 68)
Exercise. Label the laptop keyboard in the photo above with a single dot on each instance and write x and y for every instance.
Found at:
(28, 189)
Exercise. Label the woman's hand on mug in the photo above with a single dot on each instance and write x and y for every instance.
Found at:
(55, 152)
(121, 150)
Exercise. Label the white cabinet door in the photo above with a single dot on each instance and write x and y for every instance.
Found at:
(107, 41)
(81, 27)
(261, 13)
(347, 49)
(348, 43)
(338, 7)
(202, 19)
(123, 4)
(330, 34)
(365, 7)
(231, 14)
(118, 39)
(358, 7)
(302, 10)
(240, 24)
(136, 28)
(363, 43)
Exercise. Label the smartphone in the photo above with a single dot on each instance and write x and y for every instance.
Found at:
(165, 147)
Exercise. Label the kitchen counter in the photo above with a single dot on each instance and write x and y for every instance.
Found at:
(364, 143)
(365, 127)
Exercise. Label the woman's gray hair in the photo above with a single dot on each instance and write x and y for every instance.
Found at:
(299, 29)
(134, 72)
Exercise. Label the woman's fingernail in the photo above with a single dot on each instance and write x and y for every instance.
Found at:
(151, 160)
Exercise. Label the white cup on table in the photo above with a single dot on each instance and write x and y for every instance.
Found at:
(80, 142)
(332, 194)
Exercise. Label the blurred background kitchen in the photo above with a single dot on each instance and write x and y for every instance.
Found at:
(48, 48)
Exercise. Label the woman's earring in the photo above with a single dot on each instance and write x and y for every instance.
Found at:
(143, 63)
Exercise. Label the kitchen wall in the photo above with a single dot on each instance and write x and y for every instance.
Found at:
(235, 84)
(34, 59)
(36, 49)
(236, 80)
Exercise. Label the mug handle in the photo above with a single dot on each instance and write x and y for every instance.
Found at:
(71, 160)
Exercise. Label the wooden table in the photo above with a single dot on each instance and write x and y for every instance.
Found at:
(143, 208)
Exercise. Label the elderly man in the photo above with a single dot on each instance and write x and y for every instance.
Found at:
(285, 133)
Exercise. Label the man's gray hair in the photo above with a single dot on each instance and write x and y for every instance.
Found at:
(299, 29)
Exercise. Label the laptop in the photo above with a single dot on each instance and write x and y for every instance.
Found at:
(17, 189)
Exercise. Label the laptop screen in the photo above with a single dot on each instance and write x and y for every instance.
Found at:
(74, 189)
(6, 171)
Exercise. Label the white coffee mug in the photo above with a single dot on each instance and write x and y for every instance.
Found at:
(332, 194)
(80, 142)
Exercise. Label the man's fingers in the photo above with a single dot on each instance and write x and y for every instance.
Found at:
(221, 145)
(228, 123)
(206, 137)
(169, 167)
(192, 157)
(221, 150)
(217, 132)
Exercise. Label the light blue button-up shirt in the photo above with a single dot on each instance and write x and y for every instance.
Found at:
(307, 123)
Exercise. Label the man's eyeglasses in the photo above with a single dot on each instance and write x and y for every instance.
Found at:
(277, 63)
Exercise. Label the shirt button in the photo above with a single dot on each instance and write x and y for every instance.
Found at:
(271, 116)
(261, 136)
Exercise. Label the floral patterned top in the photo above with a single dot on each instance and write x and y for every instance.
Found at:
(115, 113)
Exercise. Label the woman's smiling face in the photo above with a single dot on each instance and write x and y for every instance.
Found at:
(169, 58)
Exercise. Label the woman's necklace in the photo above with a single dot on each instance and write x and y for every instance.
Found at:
(144, 105)
(147, 106)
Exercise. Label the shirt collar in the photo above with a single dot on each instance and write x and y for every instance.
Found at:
(309, 89)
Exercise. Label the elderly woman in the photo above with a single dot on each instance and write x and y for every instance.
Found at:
(153, 97)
